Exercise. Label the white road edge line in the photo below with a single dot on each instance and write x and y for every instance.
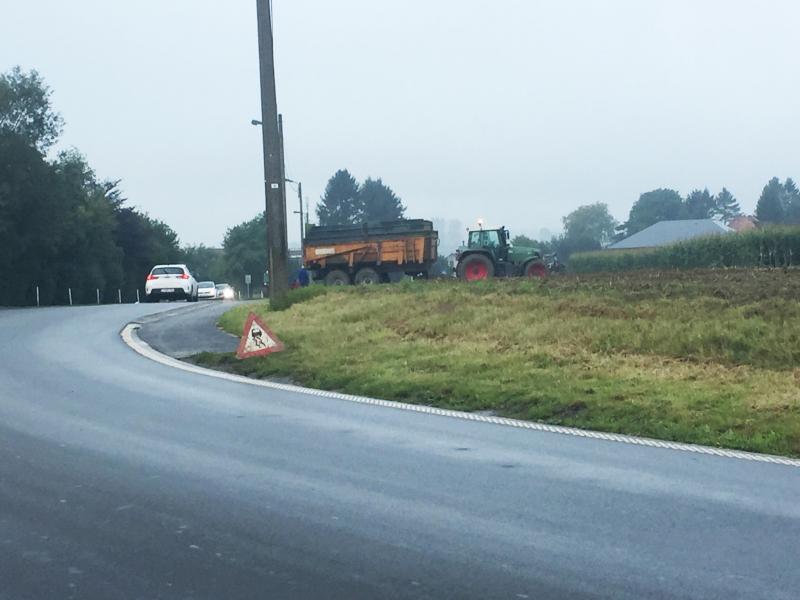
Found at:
(130, 337)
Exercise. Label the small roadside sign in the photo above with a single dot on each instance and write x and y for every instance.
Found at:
(257, 339)
(248, 279)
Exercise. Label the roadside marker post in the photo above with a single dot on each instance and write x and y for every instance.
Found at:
(69, 290)
(98, 295)
(37, 296)
(137, 295)
(257, 339)
(119, 296)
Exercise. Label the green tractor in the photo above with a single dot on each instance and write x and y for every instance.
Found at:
(489, 253)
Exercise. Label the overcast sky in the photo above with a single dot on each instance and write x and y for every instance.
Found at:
(517, 111)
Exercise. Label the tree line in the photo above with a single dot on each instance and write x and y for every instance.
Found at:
(63, 228)
(591, 227)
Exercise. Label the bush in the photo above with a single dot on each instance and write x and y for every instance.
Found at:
(767, 247)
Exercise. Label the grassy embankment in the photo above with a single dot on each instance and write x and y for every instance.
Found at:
(710, 357)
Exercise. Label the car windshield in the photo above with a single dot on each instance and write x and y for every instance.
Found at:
(205, 284)
(168, 271)
(222, 286)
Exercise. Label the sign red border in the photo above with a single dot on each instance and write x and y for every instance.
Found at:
(253, 318)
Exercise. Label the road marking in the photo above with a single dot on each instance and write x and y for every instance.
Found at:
(130, 337)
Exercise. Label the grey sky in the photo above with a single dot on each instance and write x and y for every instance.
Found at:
(514, 111)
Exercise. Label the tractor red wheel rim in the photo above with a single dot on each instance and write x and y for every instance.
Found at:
(536, 270)
(476, 271)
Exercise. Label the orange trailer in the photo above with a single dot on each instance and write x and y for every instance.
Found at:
(370, 252)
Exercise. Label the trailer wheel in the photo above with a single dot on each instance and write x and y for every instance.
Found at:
(535, 269)
(367, 276)
(337, 277)
(475, 267)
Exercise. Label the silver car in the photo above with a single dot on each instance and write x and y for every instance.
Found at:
(206, 290)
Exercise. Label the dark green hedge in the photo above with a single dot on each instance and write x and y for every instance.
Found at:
(767, 247)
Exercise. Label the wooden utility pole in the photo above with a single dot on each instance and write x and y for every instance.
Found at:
(277, 250)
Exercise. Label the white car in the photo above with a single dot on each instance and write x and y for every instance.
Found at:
(206, 290)
(225, 292)
(173, 282)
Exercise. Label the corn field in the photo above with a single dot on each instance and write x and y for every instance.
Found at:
(767, 247)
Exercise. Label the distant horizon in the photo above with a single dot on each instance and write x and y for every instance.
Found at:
(516, 112)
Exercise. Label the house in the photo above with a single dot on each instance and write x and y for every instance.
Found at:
(665, 233)
(743, 223)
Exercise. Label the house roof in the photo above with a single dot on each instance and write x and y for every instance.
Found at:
(743, 223)
(664, 233)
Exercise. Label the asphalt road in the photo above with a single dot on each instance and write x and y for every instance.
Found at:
(181, 332)
(124, 478)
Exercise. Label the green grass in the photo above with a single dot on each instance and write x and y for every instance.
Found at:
(707, 357)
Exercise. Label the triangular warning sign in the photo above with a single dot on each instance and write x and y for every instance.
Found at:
(257, 339)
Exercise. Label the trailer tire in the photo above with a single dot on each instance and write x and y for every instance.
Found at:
(367, 276)
(337, 277)
(475, 267)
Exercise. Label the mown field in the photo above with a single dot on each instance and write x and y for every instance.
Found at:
(710, 357)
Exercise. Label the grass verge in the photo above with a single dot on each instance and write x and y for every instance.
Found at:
(707, 357)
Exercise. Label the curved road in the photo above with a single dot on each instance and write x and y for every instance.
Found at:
(124, 478)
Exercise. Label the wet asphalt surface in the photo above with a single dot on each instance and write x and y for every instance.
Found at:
(124, 478)
(183, 331)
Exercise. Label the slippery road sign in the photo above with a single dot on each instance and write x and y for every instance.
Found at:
(257, 339)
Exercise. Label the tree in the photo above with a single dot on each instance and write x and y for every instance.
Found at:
(699, 205)
(340, 204)
(725, 206)
(791, 202)
(205, 263)
(528, 242)
(523, 240)
(89, 258)
(25, 109)
(144, 242)
(378, 202)
(652, 207)
(770, 206)
(32, 221)
(591, 223)
(245, 248)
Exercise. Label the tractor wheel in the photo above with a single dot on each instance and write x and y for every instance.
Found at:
(475, 267)
(534, 269)
(337, 277)
(367, 276)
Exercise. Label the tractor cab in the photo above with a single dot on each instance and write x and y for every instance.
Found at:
(494, 241)
(488, 238)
